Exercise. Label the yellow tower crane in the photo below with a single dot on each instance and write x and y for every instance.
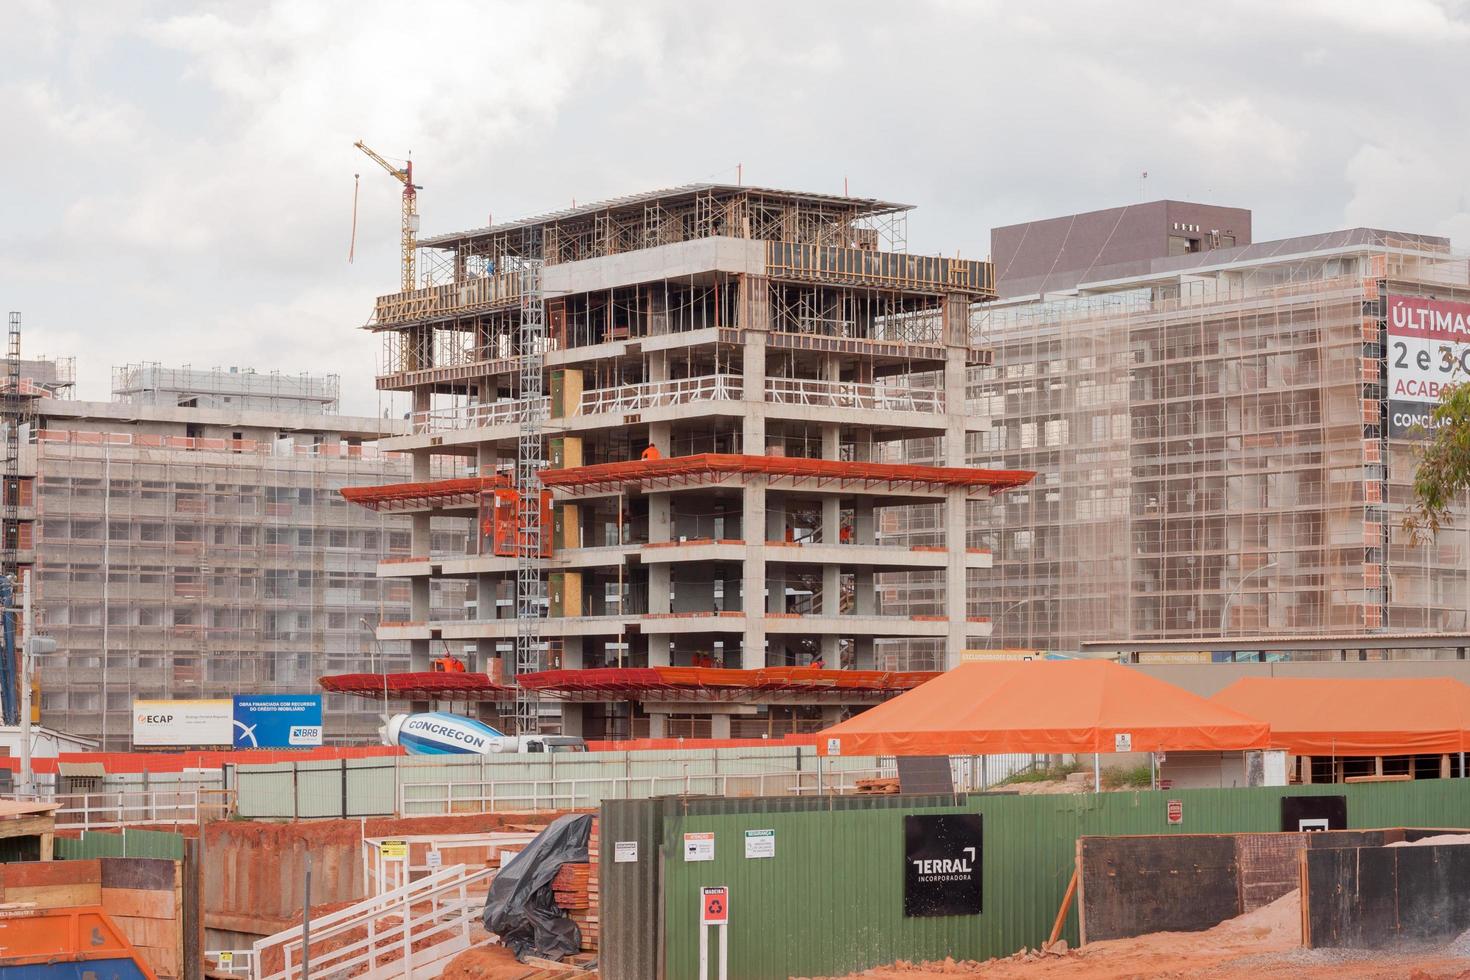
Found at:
(403, 175)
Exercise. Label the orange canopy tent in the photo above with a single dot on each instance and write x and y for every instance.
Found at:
(1052, 706)
(1356, 716)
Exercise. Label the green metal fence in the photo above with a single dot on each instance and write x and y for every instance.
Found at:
(128, 843)
(831, 899)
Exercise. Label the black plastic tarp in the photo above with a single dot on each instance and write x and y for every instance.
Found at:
(521, 909)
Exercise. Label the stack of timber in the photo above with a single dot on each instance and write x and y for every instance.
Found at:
(575, 890)
(877, 787)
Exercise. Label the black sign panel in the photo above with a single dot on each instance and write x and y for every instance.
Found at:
(942, 863)
(1313, 813)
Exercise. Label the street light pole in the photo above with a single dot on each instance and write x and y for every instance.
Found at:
(1225, 609)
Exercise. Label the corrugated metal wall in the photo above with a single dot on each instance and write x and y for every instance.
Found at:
(631, 936)
(831, 900)
(128, 843)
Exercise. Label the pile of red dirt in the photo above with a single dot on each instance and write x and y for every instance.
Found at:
(1261, 945)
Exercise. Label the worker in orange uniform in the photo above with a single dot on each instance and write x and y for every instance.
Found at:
(449, 664)
(650, 452)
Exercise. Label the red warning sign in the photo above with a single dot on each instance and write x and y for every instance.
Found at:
(1175, 811)
(714, 906)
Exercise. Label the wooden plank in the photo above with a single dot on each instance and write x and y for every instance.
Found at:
(1056, 928)
(152, 873)
(1081, 898)
(141, 902)
(21, 874)
(57, 896)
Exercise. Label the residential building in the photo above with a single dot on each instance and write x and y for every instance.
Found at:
(191, 541)
(724, 368)
(1224, 438)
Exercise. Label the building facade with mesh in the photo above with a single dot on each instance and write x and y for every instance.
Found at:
(189, 546)
(1214, 449)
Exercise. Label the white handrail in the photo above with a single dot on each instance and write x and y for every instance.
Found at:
(658, 394)
(393, 928)
(133, 808)
(503, 411)
(450, 796)
(848, 394)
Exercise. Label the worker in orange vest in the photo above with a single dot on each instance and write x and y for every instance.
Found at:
(449, 664)
(651, 452)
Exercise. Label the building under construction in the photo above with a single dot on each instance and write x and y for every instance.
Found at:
(1224, 430)
(673, 413)
(191, 541)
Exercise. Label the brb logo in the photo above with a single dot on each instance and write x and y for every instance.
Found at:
(942, 864)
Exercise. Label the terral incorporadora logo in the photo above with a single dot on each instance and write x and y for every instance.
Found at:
(946, 869)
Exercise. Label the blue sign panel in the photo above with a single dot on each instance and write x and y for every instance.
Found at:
(277, 721)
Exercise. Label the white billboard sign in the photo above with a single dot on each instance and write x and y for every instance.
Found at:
(1428, 352)
(184, 723)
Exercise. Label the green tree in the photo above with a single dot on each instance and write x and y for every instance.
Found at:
(1444, 467)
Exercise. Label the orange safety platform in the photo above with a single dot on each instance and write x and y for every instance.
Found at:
(421, 685)
(700, 468)
(720, 684)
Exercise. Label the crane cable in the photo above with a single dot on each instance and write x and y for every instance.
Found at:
(352, 246)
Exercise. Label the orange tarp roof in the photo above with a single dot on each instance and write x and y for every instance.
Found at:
(1043, 706)
(1356, 716)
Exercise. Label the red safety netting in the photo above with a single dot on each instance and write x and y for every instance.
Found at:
(420, 686)
(719, 684)
(701, 468)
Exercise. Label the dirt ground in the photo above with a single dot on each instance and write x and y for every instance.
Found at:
(1260, 945)
(491, 963)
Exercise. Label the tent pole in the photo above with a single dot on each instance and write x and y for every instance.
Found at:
(1097, 772)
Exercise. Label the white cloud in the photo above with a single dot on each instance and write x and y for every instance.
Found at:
(186, 170)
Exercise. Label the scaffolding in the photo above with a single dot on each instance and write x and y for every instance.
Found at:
(174, 566)
(530, 654)
(235, 389)
(740, 409)
(1212, 456)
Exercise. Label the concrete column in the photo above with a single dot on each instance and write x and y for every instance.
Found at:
(573, 652)
(660, 649)
(719, 726)
(864, 599)
(753, 575)
(658, 725)
(864, 522)
(831, 440)
(956, 584)
(753, 382)
(573, 718)
(831, 520)
(660, 529)
(864, 656)
(660, 433)
(775, 519)
(755, 322)
(956, 579)
(831, 590)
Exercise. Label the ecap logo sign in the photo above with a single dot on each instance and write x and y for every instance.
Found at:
(943, 864)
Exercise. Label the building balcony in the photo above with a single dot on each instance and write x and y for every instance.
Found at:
(617, 402)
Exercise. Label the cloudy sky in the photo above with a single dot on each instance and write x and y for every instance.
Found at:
(178, 178)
